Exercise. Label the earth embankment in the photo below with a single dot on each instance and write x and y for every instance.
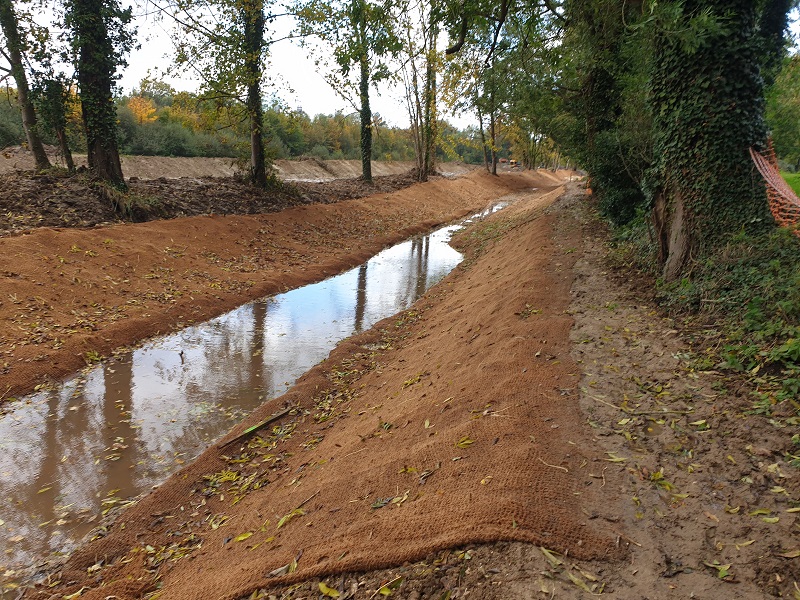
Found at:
(74, 295)
(173, 167)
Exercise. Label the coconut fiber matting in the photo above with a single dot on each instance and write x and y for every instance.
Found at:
(454, 423)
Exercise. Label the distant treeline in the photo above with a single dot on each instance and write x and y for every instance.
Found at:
(155, 120)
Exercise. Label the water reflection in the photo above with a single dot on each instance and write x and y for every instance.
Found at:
(111, 433)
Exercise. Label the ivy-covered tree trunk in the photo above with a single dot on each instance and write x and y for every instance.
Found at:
(10, 27)
(97, 63)
(708, 110)
(253, 13)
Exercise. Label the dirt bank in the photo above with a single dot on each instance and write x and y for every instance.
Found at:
(71, 296)
(174, 167)
(531, 397)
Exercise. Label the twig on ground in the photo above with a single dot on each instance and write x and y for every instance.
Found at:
(257, 426)
(627, 539)
(553, 466)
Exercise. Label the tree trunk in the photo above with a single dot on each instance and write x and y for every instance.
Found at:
(96, 67)
(10, 27)
(483, 141)
(63, 145)
(366, 112)
(708, 110)
(493, 139)
(430, 117)
(253, 13)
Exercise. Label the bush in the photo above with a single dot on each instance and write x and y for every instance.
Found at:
(320, 151)
(11, 132)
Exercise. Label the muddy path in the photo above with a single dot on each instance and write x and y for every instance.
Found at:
(530, 428)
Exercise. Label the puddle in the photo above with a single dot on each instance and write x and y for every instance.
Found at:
(121, 428)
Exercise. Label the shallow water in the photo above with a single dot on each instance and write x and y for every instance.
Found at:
(115, 431)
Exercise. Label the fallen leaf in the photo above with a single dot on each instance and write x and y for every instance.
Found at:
(242, 536)
(759, 511)
(297, 512)
(387, 588)
(614, 458)
(328, 591)
(464, 442)
(789, 554)
(770, 519)
(551, 557)
(579, 582)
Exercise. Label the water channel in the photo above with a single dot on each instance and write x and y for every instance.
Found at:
(117, 430)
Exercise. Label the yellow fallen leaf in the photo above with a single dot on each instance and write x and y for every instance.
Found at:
(579, 582)
(759, 511)
(328, 591)
(243, 536)
(614, 458)
(793, 510)
(743, 544)
(297, 512)
(464, 442)
(387, 588)
(770, 519)
(789, 554)
(551, 557)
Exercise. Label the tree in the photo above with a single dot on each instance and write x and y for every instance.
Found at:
(420, 66)
(143, 109)
(54, 98)
(14, 50)
(361, 34)
(783, 112)
(708, 110)
(223, 43)
(99, 40)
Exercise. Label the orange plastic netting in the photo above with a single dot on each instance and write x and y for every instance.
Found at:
(783, 202)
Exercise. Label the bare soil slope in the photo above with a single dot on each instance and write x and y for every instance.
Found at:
(595, 451)
(175, 167)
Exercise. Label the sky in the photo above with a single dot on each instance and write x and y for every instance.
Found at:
(294, 77)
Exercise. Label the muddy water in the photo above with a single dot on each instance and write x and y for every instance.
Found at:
(69, 455)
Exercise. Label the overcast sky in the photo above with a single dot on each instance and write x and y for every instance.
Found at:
(292, 76)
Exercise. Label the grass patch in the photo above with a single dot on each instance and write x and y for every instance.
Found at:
(748, 296)
(742, 304)
(793, 179)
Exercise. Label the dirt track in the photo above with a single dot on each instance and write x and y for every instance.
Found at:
(610, 431)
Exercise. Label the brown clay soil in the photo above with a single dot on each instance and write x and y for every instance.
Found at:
(531, 428)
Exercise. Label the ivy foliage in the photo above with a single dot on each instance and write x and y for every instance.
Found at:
(100, 38)
(749, 289)
(708, 110)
